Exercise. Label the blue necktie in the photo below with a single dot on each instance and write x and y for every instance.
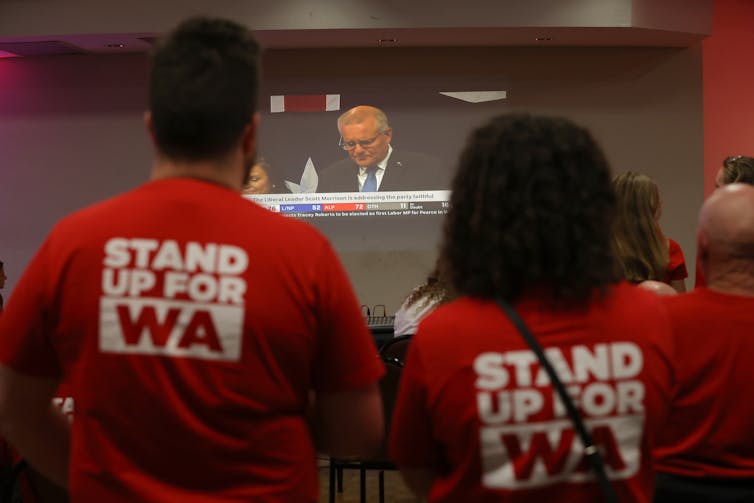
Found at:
(370, 184)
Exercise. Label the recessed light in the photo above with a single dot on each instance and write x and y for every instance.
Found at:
(543, 39)
(387, 40)
(115, 46)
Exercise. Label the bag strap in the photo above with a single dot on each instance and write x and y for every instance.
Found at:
(591, 451)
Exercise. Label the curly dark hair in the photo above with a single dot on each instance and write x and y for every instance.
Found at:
(531, 208)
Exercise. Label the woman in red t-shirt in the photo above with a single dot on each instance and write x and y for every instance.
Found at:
(476, 418)
(643, 251)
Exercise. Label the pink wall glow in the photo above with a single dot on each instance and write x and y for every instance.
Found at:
(727, 77)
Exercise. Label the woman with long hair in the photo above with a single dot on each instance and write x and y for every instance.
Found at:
(642, 250)
(477, 418)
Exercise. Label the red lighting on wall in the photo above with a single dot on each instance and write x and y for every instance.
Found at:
(4, 54)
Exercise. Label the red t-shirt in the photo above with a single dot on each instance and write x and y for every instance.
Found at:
(475, 406)
(191, 325)
(676, 268)
(709, 430)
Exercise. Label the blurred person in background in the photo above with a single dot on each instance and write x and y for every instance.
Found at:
(706, 450)
(643, 251)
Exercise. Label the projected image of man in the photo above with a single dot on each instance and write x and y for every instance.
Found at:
(373, 164)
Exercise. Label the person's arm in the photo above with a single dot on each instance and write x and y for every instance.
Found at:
(35, 426)
(348, 423)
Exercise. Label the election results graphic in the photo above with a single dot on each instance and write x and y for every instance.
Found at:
(172, 299)
(527, 439)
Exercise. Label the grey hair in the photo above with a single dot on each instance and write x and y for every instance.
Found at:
(358, 114)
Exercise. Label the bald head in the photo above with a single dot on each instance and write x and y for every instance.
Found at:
(657, 287)
(726, 233)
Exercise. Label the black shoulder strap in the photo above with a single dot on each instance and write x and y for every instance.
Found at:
(591, 452)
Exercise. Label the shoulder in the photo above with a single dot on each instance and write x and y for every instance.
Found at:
(696, 303)
(339, 166)
(634, 312)
(674, 248)
(642, 317)
(409, 158)
(634, 302)
(338, 177)
(453, 320)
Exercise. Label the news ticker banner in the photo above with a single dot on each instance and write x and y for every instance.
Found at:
(356, 204)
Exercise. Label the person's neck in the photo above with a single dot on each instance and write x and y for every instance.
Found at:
(226, 172)
(734, 283)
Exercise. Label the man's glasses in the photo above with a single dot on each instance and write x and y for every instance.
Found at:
(350, 145)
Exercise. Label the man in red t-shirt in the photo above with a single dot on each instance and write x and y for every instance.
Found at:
(735, 169)
(212, 346)
(477, 419)
(706, 451)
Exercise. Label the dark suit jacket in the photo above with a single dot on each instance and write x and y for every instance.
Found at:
(405, 171)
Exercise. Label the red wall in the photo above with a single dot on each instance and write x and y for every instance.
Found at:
(728, 59)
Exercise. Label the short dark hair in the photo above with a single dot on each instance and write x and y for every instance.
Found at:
(203, 88)
(532, 207)
(738, 169)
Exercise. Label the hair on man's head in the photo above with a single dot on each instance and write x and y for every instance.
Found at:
(360, 113)
(202, 88)
(738, 169)
(531, 208)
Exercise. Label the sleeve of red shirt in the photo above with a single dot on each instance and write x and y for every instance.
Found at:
(28, 321)
(346, 353)
(411, 444)
(676, 263)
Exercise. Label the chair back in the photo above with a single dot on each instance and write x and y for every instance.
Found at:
(396, 348)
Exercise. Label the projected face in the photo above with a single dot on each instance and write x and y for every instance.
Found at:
(258, 181)
(364, 143)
